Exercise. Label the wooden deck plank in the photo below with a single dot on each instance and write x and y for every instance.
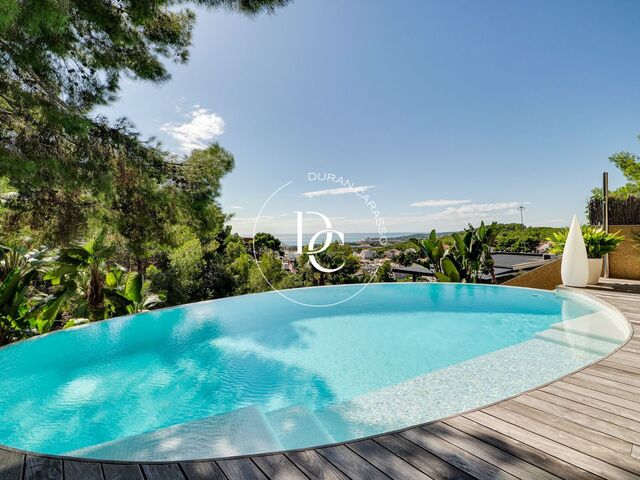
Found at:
(202, 471)
(75, 470)
(608, 382)
(625, 380)
(423, 460)
(115, 471)
(518, 449)
(633, 344)
(488, 452)
(455, 456)
(315, 466)
(571, 427)
(351, 464)
(241, 469)
(605, 371)
(169, 471)
(599, 387)
(11, 464)
(42, 468)
(386, 461)
(621, 365)
(584, 415)
(278, 467)
(586, 462)
(567, 439)
(593, 402)
(632, 347)
(595, 394)
(627, 356)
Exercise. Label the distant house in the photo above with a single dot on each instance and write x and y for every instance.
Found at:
(543, 247)
(391, 254)
(289, 264)
(369, 268)
(367, 254)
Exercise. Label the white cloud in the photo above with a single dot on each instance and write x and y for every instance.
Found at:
(237, 207)
(337, 191)
(455, 217)
(476, 210)
(198, 132)
(439, 203)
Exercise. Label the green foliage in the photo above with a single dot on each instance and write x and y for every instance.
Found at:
(597, 241)
(335, 256)
(186, 263)
(95, 288)
(629, 165)
(198, 180)
(14, 305)
(130, 293)
(513, 237)
(269, 274)
(408, 257)
(81, 271)
(433, 250)
(24, 310)
(385, 273)
(264, 242)
(66, 173)
(471, 252)
(451, 272)
(466, 259)
(71, 170)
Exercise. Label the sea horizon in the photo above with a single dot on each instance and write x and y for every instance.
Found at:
(290, 239)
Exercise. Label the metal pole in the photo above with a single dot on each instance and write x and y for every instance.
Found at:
(605, 216)
(521, 208)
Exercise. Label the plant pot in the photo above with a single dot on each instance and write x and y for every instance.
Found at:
(595, 269)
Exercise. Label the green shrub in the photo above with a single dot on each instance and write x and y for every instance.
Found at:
(597, 241)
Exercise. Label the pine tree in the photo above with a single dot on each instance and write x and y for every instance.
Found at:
(60, 60)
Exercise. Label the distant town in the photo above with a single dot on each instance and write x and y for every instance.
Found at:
(518, 248)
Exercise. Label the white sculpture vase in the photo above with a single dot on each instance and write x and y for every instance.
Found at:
(575, 265)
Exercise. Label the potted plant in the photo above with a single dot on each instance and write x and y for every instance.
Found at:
(598, 243)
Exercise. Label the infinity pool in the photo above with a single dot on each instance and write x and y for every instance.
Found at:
(259, 373)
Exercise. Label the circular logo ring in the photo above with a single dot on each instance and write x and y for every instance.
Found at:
(279, 292)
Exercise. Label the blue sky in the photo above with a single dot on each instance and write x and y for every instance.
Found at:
(485, 105)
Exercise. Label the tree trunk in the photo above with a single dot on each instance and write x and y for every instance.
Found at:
(95, 295)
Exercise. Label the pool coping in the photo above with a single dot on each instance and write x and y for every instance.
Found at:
(590, 295)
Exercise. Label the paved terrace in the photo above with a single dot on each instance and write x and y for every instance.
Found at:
(584, 426)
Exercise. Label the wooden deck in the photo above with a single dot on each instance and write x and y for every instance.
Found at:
(585, 426)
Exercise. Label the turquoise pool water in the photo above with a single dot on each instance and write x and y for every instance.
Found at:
(259, 373)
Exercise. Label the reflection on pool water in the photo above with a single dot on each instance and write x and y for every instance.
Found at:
(258, 373)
